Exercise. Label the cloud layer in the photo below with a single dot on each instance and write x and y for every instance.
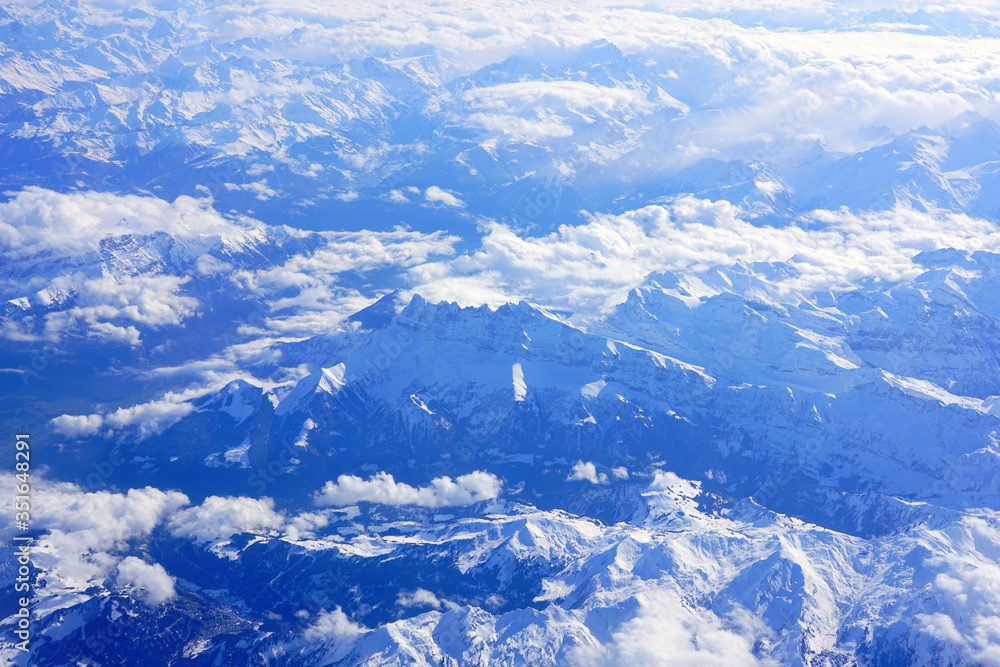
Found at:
(590, 268)
(219, 518)
(381, 488)
(88, 531)
(112, 266)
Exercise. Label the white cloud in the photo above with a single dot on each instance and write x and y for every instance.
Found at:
(668, 632)
(115, 302)
(207, 265)
(219, 518)
(45, 229)
(303, 294)
(36, 220)
(260, 189)
(305, 525)
(85, 527)
(382, 488)
(155, 585)
(150, 300)
(77, 426)
(436, 194)
(587, 472)
(420, 597)
(522, 128)
(939, 626)
(574, 95)
(149, 418)
(333, 625)
(663, 480)
(967, 592)
(546, 109)
(589, 268)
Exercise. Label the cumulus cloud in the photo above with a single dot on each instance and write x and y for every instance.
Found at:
(436, 194)
(84, 527)
(664, 479)
(589, 268)
(420, 597)
(153, 582)
(333, 625)
(92, 305)
(667, 631)
(966, 625)
(77, 426)
(305, 525)
(303, 294)
(383, 489)
(147, 418)
(587, 472)
(260, 189)
(36, 220)
(116, 299)
(109, 297)
(219, 518)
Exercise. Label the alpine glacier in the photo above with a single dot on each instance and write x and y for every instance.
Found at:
(564, 333)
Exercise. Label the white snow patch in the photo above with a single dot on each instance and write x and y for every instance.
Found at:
(592, 389)
(520, 388)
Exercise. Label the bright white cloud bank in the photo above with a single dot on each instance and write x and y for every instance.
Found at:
(153, 582)
(55, 241)
(86, 529)
(89, 534)
(668, 632)
(590, 267)
(968, 584)
(39, 220)
(382, 488)
(219, 518)
(807, 70)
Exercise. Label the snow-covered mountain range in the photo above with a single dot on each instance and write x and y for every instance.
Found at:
(374, 335)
